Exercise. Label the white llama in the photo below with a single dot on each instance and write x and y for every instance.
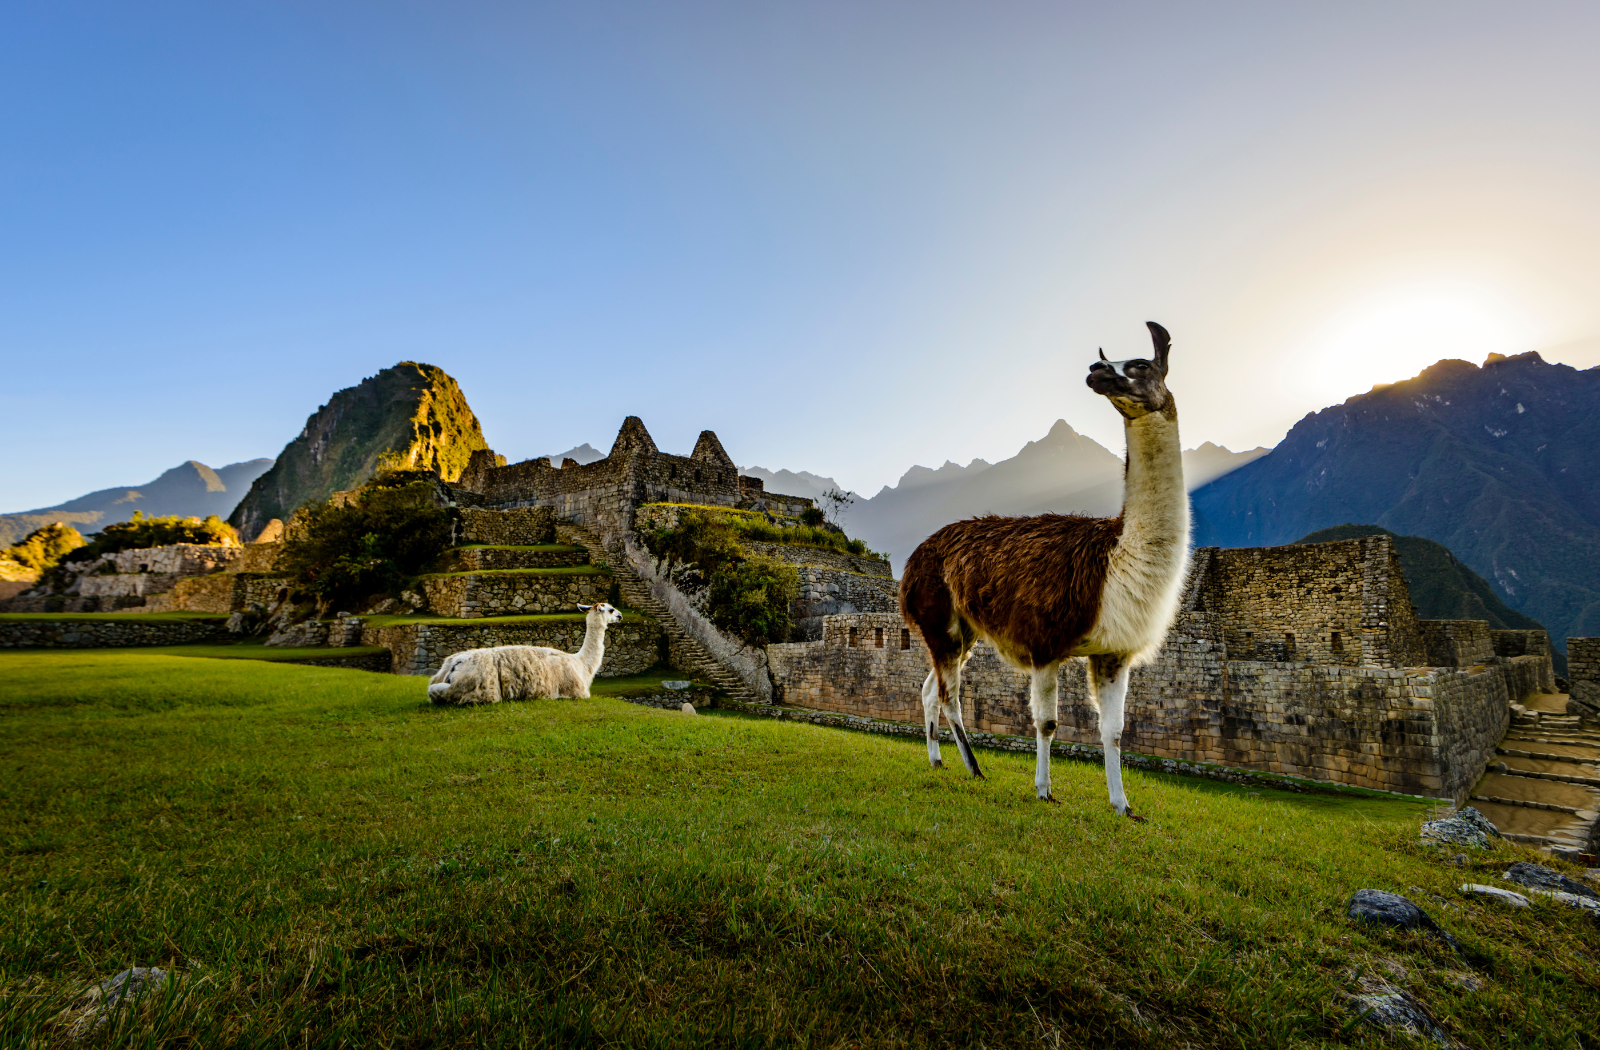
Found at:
(522, 672)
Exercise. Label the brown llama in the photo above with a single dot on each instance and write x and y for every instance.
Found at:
(1045, 589)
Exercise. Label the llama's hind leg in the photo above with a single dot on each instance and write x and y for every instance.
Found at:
(1108, 678)
(950, 700)
(930, 718)
(1043, 700)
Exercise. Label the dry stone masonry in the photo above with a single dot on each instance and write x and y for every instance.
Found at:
(1305, 661)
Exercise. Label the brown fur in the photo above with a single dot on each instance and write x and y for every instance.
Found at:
(1030, 585)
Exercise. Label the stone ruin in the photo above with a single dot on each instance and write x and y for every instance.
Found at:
(1301, 660)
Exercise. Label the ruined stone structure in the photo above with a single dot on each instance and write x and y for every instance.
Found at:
(1583, 668)
(1306, 660)
(603, 495)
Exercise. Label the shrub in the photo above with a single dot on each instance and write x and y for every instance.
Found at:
(371, 544)
(39, 552)
(812, 516)
(140, 531)
(750, 599)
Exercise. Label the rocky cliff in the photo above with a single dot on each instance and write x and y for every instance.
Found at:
(414, 412)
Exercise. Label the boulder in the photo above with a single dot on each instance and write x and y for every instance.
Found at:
(1381, 908)
(1465, 828)
(100, 1002)
(1540, 878)
(1382, 1005)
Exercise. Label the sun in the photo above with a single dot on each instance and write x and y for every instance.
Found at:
(1392, 334)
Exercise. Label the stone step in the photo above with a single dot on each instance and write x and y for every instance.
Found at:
(512, 592)
(637, 594)
(482, 557)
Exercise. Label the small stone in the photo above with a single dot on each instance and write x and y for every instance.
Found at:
(1538, 877)
(1382, 1005)
(99, 1002)
(1382, 908)
(676, 683)
(1514, 900)
(687, 708)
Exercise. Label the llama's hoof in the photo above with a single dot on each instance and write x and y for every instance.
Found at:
(938, 763)
(1131, 815)
(1050, 798)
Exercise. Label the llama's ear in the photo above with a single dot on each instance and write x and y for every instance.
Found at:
(1163, 342)
(1103, 355)
(585, 608)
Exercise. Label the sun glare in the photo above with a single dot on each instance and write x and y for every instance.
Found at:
(1391, 335)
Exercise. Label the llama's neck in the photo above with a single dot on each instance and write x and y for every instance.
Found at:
(1155, 507)
(1145, 576)
(594, 646)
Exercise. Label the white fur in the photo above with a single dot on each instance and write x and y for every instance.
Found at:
(1144, 581)
(523, 672)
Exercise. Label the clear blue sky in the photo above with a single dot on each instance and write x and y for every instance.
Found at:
(847, 236)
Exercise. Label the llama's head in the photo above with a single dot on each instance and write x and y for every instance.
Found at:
(600, 615)
(1137, 386)
(458, 675)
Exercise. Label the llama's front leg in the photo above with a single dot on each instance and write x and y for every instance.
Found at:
(952, 711)
(1042, 699)
(1108, 677)
(930, 717)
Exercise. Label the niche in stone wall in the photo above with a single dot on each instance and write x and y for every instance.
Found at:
(905, 638)
(852, 642)
(877, 637)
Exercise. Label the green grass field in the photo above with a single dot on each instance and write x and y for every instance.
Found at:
(330, 861)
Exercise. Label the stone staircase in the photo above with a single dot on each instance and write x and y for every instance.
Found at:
(688, 653)
(1544, 788)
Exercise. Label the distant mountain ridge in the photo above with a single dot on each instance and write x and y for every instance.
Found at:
(414, 413)
(190, 489)
(1063, 472)
(1495, 462)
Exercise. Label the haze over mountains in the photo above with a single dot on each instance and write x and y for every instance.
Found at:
(189, 489)
(1063, 472)
(1497, 463)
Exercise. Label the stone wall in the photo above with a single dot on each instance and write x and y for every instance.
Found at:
(120, 584)
(1526, 643)
(258, 557)
(1339, 604)
(821, 557)
(632, 646)
(105, 634)
(1456, 643)
(185, 559)
(1414, 731)
(515, 527)
(513, 592)
(480, 559)
(1583, 670)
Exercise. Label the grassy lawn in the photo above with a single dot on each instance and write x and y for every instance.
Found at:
(333, 862)
(248, 649)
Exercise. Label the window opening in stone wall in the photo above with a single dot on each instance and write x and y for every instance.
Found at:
(877, 637)
(852, 637)
(697, 475)
(905, 637)
(1288, 640)
(1249, 641)
(1335, 643)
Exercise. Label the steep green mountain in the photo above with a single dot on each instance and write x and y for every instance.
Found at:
(190, 490)
(1496, 463)
(414, 413)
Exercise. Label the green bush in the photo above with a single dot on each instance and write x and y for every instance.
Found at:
(801, 535)
(812, 516)
(750, 599)
(39, 552)
(748, 596)
(370, 545)
(140, 531)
